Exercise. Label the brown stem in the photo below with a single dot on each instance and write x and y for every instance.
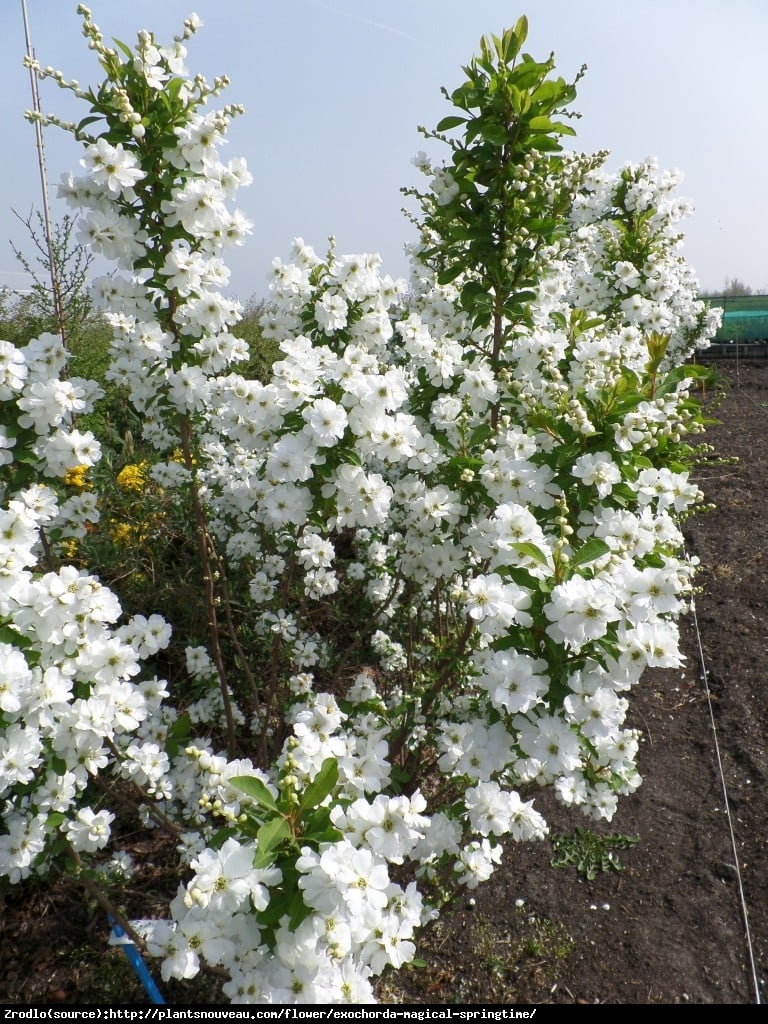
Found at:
(231, 630)
(270, 703)
(50, 561)
(112, 912)
(498, 335)
(102, 899)
(162, 820)
(205, 549)
(398, 743)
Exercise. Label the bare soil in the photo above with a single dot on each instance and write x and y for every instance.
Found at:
(684, 920)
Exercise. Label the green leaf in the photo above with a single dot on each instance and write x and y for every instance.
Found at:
(58, 765)
(522, 577)
(268, 838)
(521, 29)
(443, 441)
(527, 74)
(26, 457)
(532, 551)
(472, 130)
(564, 129)
(177, 734)
(298, 912)
(452, 121)
(587, 852)
(540, 124)
(480, 434)
(218, 839)
(400, 778)
(593, 549)
(86, 121)
(512, 39)
(446, 276)
(542, 225)
(494, 133)
(173, 88)
(317, 828)
(322, 784)
(256, 790)
(272, 833)
(558, 319)
(318, 836)
(475, 296)
(318, 821)
(541, 141)
(548, 94)
(516, 99)
(544, 124)
(8, 635)
(125, 49)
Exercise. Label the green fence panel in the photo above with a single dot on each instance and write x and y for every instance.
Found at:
(745, 317)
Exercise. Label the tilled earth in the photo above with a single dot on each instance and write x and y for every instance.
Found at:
(685, 920)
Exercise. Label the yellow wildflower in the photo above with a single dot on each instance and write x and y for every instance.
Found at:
(132, 477)
(69, 547)
(123, 533)
(178, 456)
(75, 477)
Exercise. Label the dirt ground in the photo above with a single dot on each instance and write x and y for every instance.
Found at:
(685, 920)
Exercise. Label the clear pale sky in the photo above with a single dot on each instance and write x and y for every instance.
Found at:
(334, 91)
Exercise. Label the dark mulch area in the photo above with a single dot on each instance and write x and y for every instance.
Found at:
(670, 927)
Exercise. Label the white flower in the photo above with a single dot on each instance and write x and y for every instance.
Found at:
(20, 752)
(597, 469)
(598, 714)
(491, 598)
(112, 167)
(291, 460)
(390, 826)
(15, 678)
(90, 830)
(515, 682)
(344, 876)
(477, 862)
(13, 371)
(326, 420)
(21, 846)
(580, 610)
(493, 810)
(225, 879)
(550, 741)
(331, 312)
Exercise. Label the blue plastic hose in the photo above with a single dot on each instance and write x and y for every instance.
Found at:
(136, 962)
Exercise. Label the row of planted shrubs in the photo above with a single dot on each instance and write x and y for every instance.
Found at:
(409, 569)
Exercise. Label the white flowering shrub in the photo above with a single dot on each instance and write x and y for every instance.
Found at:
(436, 549)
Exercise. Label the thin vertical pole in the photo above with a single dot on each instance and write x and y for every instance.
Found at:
(52, 266)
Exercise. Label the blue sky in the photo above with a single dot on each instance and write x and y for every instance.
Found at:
(334, 91)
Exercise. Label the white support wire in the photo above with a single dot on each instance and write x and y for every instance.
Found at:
(729, 818)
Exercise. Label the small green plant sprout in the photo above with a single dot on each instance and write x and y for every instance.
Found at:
(589, 853)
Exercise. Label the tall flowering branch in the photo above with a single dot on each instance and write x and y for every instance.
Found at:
(154, 196)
